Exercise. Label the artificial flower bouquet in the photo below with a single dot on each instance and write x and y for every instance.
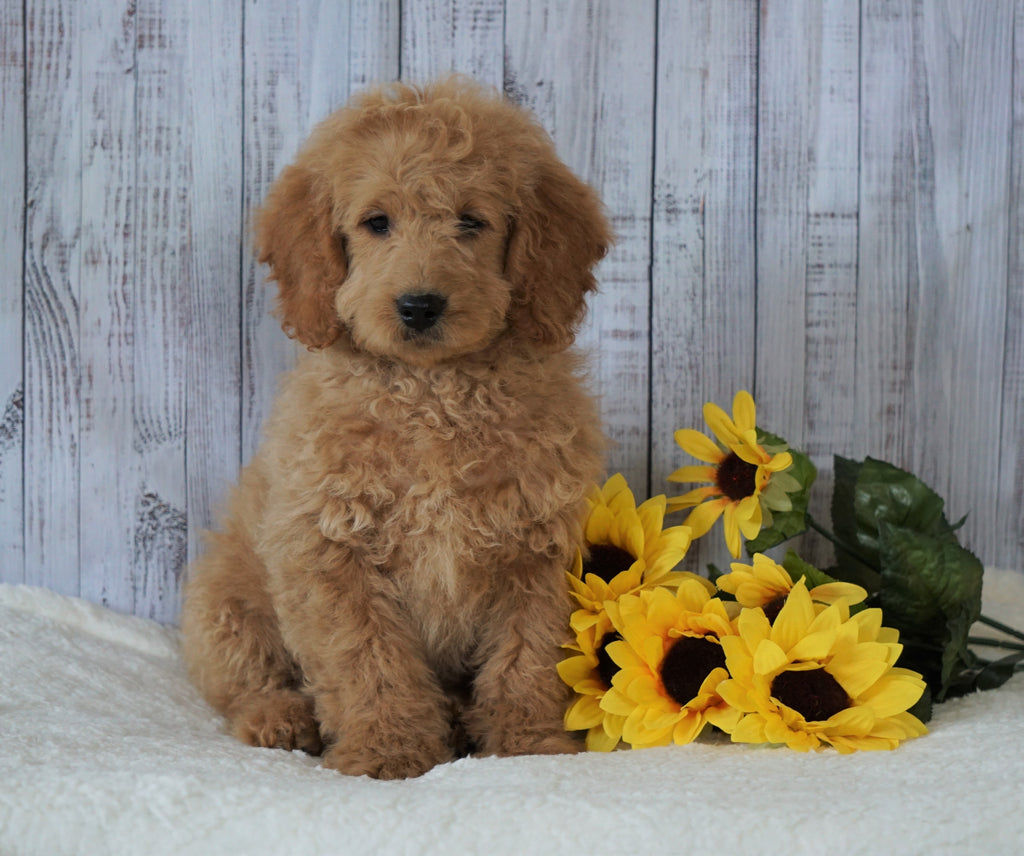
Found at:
(772, 652)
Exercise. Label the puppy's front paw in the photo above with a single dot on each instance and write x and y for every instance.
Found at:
(530, 741)
(281, 720)
(396, 762)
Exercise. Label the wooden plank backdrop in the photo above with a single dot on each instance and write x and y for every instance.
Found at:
(821, 201)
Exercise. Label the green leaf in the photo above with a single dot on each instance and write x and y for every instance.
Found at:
(844, 520)
(786, 524)
(923, 708)
(887, 494)
(797, 567)
(931, 593)
(850, 568)
(993, 675)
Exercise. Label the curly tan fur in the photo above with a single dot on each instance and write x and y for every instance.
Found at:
(388, 580)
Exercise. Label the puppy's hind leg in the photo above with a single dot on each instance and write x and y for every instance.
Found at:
(234, 651)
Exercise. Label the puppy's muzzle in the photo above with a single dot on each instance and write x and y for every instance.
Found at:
(420, 312)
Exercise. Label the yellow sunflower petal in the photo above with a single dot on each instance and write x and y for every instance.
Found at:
(829, 592)
(703, 517)
(769, 658)
(720, 424)
(573, 670)
(858, 670)
(688, 727)
(814, 646)
(748, 516)
(694, 474)
(892, 695)
(744, 413)
(851, 722)
(794, 618)
(732, 529)
(598, 740)
(750, 729)
(584, 713)
(700, 446)
(751, 453)
(617, 703)
(779, 462)
(692, 498)
(612, 488)
(652, 517)
(599, 525)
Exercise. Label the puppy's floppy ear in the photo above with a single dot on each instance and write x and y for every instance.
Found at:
(555, 241)
(296, 237)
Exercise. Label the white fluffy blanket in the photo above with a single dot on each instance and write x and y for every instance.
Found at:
(105, 748)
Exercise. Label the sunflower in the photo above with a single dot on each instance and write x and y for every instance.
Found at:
(627, 549)
(746, 481)
(819, 678)
(588, 670)
(668, 665)
(767, 584)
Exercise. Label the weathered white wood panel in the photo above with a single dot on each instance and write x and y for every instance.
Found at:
(465, 36)
(1010, 509)
(831, 252)
(807, 228)
(887, 272)
(587, 70)
(12, 222)
(109, 464)
(52, 260)
(934, 230)
(968, 72)
(818, 201)
(703, 319)
(213, 377)
(161, 321)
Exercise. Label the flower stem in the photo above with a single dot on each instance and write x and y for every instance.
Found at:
(836, 541)
(995, 643)
(998, 625)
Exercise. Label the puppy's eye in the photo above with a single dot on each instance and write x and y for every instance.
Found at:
(378, 224)
(469, 224)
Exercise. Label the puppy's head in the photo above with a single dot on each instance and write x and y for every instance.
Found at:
(424, 223)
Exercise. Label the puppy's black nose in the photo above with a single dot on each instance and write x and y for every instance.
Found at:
(420, 312)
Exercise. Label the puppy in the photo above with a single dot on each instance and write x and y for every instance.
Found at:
(387, 585)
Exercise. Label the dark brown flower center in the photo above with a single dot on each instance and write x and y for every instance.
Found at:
(773, 608)
(736, 478)
(813, 693)
(607, 560)
(688, 663)
(607, 668)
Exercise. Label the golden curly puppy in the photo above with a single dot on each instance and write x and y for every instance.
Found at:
(389, 578)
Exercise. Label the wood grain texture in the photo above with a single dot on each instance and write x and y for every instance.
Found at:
(1009, 515)
(968, 58)
(886, 262)
(12, 250)
(213, 375)
(807, 232)
(587, 70)
(465, 36)
(162, 297)
(52, 260)
(109, 463)
(943, 205)
(703, 320)
(822, 202)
